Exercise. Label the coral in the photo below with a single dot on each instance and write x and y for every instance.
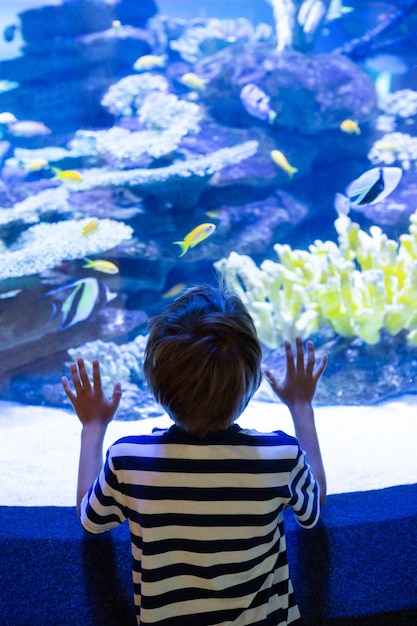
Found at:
(123, 363)
(45, 245)
(125, 97)
(298, 22)
(166, 181)
(401, 103)
(30, 210)
(122, 148)
(205, 37)
(394, 148)
(357, 287)
(166, 118)
(165, 111)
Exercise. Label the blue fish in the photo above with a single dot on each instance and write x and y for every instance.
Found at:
(257, 103)
(85, 297)
(371, 187)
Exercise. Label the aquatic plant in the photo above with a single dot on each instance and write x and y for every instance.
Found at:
(356, 287)
(45, 245)
(123, 363)
(125, 97)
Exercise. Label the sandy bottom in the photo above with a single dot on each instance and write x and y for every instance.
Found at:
(363, 448)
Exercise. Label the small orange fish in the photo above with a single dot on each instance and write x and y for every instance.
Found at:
(350, 127)
(197, 235)
(101, 265)
(71, 176)
(91, 227)
(174, 291)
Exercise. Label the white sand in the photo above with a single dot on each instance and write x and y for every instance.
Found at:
(363, 447)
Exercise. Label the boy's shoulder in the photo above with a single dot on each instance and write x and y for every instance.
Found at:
(235, 435)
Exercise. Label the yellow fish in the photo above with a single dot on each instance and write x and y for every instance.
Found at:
(35, 165)
(281, 160)
(350, 127)
(191, 80)
(71, 176)
(174, 291)
(100, 265)
(197, 235)
(214, 215)
(91, 227)
(149, 62)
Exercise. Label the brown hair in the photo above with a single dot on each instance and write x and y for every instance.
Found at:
(203, 359)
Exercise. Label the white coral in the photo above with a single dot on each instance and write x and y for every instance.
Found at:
(31, 209)
(394, 147)
(402, 103)
(45, 245)
(125, 97)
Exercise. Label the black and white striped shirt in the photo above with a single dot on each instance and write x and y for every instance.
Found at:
(206, 522)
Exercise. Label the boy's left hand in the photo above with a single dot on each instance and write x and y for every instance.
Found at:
(89, 401)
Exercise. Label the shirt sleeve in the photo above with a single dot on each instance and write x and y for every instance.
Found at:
(305, 493)
(102, 506)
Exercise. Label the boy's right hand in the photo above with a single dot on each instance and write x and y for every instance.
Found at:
(89, 401)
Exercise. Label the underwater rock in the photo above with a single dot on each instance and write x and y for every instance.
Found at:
(358, 374)
(30, 334)
(72, 54)
(74, 17)
(309, 92)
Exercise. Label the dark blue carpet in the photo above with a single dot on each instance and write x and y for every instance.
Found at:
(357, 568)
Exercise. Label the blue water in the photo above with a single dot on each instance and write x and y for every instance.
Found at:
(105, 166)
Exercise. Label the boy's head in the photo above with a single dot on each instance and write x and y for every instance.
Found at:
(203, 359)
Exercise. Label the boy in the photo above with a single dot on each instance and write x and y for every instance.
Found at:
(204, 498)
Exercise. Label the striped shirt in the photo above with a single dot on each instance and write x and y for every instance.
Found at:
(206, 523)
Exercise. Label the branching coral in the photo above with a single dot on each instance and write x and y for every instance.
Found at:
(45, 245)
(357, 287)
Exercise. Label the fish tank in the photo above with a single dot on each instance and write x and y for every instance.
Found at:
(148, 146)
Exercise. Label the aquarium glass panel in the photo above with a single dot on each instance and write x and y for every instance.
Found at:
(150, 145)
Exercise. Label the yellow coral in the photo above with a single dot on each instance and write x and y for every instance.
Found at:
(364, 283)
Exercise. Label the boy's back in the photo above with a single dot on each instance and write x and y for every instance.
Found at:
(206, 523)
(205, 498)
